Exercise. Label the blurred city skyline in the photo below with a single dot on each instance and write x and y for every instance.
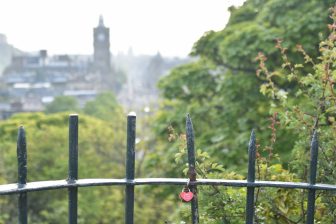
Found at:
(148, 26)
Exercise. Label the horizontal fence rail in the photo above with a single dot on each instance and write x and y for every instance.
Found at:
(72, 183)
(8, 189)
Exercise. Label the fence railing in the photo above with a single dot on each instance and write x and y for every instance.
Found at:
(73, 183)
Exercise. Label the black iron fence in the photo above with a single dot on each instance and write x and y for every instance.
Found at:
(73, 183)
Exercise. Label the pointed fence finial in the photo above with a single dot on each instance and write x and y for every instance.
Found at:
(22, 156)
(190, 141)
(313, 158)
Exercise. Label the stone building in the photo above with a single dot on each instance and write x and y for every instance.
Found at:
(33, 80)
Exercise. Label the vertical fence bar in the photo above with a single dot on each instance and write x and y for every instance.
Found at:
(22, 175)
(73, 168)
(312, 178)
(192, 168)
(130, 163)
(251, 179)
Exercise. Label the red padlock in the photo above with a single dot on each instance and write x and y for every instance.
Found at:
(186, 196)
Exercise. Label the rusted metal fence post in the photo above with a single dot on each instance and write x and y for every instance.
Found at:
(22, 175)
(130, 164)
(73, 168)
(312, 178)
(192, 168)
(250, 179)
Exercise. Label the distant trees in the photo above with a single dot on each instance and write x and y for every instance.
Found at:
(61, 104)
(105, 107)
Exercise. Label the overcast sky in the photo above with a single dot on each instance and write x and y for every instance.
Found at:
(148, 26)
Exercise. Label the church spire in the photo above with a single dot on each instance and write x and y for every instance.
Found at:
(101, 21)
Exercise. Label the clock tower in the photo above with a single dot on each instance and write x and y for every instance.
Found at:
(101, 44)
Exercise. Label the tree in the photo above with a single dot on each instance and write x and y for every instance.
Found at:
(226, 100)
(61, 104)
(105, 107)
(220, 89)
(309, 109)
